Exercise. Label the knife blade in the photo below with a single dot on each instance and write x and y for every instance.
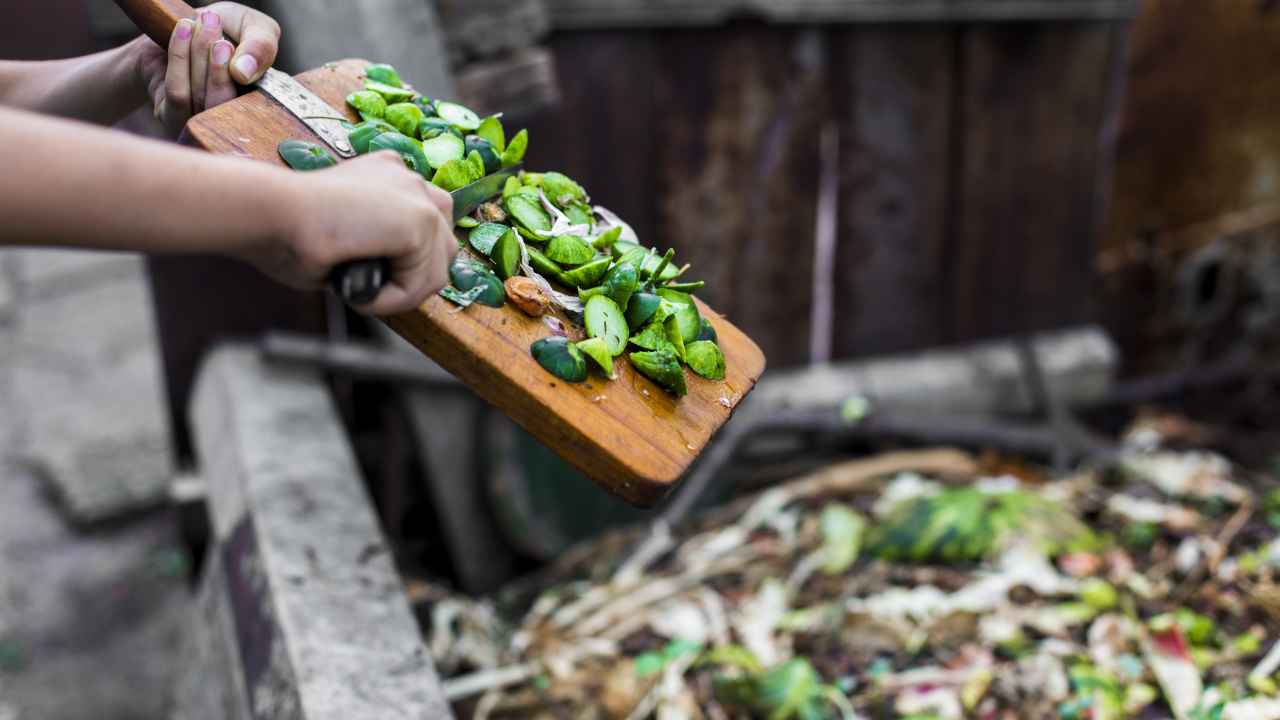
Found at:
(359, 281)
(157, 18)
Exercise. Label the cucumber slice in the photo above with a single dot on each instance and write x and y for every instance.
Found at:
(598, 350)
(459, 116)
(511, 187)
(506, 254)
(405, 117)
(384, 74)
(466, 222)
(707, 332)
(560, 358)
(604, 319)
(303, 155)
(443, 148)
(633, 257)
(433, 126)
(588, 275)
(390, 93)
(453, 175)
(477, 165)
(528, 212)
(704, 358)
(364, 133)
(653, 337)
(569, 250)
(662, 367)
(562, 190)
(543, 264)
(585, 294)
(607, 239)
(485, 236)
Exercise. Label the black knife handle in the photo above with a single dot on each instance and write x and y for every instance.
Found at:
(358, 282)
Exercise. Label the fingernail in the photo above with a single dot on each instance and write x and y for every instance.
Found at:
(221, 52)
(210, 20)
(186, 29)
(247, 65)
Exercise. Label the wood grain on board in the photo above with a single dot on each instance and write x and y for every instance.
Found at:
(627, 434)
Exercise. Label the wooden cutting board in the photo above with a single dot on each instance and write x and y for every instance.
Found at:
(628, 435)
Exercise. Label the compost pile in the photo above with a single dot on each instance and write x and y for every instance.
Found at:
(923, 584)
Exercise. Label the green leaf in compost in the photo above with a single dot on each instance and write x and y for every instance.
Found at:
(842, 531)
(704, 357)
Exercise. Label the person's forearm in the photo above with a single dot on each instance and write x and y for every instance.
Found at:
(67, 183)
(100, 88)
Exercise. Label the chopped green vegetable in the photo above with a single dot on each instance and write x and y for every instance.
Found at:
(542, 263)
(491, 130)
(459, 116)
(303, 155)
(560, 358)
(410, 150)
(707, 332)
(704, 358)
(607, 239)
(389, 93)
(561, 189)
(506, 254)
(485, 236)
(405, 117)
(598, 350)
(385, 74)
(662, 367)
(465, 274)
(443, 149)
(364, 133)
(642, 307)
(466, 222)
(514, 152)
(369, 104)
(433, 126)
(492, 160)
(453, 175)
(569, 250)
(528, 212)
(458, 297)
(620, 284)
(589, 274)
(511, 187)
(672, 328)
(477, 165)
(604, 319)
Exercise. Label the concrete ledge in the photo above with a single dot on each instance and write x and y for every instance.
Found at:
(317, 626)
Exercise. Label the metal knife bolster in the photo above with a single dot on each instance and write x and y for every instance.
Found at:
(305, 105)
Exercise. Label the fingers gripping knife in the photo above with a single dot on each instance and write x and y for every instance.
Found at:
(357, 282)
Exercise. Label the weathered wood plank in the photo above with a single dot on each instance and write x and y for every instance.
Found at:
(673, 13)
(893, 91)
(602, 133)
(737, 123)
(1033, 103)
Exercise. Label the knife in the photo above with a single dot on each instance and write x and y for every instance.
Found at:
(358, 281)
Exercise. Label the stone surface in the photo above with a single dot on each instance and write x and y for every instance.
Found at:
(81, 374)
(322, 628)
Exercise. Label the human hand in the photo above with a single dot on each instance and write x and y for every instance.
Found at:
(370, 207)
(201, 66)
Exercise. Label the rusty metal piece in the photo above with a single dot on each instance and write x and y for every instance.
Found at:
(525, 294)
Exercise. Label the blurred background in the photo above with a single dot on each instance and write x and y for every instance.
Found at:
(1011, 226)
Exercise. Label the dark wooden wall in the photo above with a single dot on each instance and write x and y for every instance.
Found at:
(972, 161)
